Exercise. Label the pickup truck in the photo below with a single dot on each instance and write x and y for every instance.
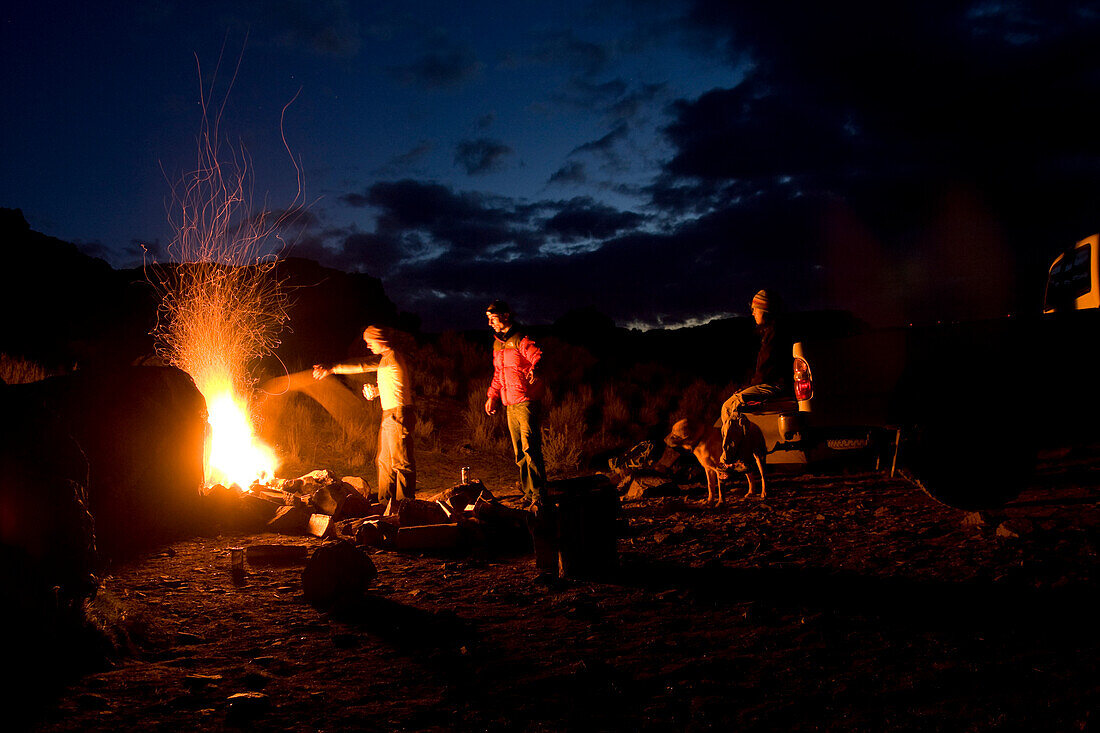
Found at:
(961, 409)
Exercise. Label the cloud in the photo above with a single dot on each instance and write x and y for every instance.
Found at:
(445, 64)
(406, 162)
(605, 144)
(481, 155)
(583, 218)
(571, 172)
(444, 254)
(585, 94)
(751, 132)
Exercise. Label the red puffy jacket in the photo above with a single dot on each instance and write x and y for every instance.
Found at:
(514, 359)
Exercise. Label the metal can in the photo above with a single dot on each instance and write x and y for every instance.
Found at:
(465, 474)
(236, 564)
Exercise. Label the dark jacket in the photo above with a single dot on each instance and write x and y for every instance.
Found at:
(773, 361)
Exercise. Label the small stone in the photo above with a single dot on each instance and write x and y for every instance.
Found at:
(1012, 528)
(199, 681)
(247, 706)
(974, 519)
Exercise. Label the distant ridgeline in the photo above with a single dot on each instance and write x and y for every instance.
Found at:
(62, 308)
(65, 309)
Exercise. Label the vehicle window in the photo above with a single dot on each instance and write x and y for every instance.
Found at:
(1070, 278)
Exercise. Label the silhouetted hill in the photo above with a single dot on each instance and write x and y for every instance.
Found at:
(721, 350)
(61, 307)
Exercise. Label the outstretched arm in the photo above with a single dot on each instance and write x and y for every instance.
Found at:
(320, 371)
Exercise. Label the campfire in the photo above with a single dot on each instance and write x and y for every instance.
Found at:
(222, 308)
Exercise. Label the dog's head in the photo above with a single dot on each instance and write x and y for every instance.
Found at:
(685, 434)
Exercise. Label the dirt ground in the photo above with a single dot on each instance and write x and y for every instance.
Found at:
(844, 601)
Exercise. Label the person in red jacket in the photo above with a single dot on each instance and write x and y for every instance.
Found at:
(517, 386)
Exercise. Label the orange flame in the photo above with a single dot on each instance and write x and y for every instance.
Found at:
(222, 307)
(236, 455)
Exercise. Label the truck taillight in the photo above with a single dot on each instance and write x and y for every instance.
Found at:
(803, 381)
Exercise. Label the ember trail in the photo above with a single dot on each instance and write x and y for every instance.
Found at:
(222, 307)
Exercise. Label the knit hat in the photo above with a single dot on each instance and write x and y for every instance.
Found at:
(498, 308)
(376, 333)
(760, 300)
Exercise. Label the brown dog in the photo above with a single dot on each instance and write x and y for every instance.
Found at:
(705, 443)
(746, 447)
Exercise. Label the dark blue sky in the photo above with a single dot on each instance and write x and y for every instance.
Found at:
(657, 160)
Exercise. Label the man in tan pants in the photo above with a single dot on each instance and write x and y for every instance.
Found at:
(396, 459)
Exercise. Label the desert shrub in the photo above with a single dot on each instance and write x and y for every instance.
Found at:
(425, 435)
(564, 430)
(615, 412)
(305, 437)
(561, 450)
(485, 431)
(563, 365)
(701, 400)
(15, 370)
(470, 361)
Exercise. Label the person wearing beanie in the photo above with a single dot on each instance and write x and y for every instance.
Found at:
(771, 378)
(517, 386)
(396, 459)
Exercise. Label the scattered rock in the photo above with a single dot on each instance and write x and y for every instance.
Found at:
(974, 519)
(245, 707)
(1014, 528)
(336, 573)
(199, 681)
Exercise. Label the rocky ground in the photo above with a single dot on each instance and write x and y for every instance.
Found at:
(841, 602)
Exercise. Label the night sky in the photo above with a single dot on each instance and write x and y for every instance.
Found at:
(659, 161)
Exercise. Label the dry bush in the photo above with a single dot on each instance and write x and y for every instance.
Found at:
(564, 431)
(15, 370)
(470, 362)
(484, 430)
(305, 438)
(615, 412)
(564, 365)
(561, 451)
(447, 366)
(701, 400)
(425, 435)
